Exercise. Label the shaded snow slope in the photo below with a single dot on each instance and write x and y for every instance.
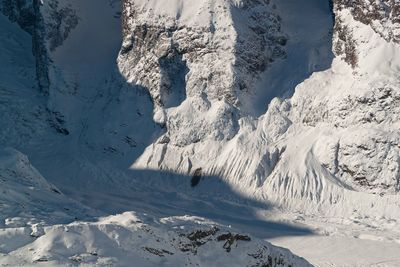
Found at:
(94, 31)
(34, 231)
(309, 27)
(27, 199)
(75, 44)
(35, 220)
(22, 111)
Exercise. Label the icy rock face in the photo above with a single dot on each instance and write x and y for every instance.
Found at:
(200, 62)
(20, 11)
(382, 16)
(364, 152)
(55, 21)
(212, 50)
(27, 14)
(49, 23)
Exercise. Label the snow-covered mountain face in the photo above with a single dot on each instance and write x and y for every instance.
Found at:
(41, 226)
(292, 103)
(360, 101)
(220, 50)
(345, 115)
(229, 61)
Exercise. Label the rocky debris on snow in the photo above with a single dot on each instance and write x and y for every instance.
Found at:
(123, 239)
(230, 240)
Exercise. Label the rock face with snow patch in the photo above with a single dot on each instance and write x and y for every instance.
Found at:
(211, 50)
(125, 239)
(365, 152)
(382, 16)
(348, 112)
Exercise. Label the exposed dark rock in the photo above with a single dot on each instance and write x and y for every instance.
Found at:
(230, 239)
(158, 252)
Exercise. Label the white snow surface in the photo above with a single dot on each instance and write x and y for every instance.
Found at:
(35, 231)
(317, 173)
(40, 226)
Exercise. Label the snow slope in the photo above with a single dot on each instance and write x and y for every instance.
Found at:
(330, 149)
(35, 230)
(28, 199)
(172, 127)
(40, 226)
(127, 238)
(262, 156)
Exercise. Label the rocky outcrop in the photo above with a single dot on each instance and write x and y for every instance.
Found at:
(59, 20)
(382, 16)
(27, 14)
(218, 57)
(20, 11)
